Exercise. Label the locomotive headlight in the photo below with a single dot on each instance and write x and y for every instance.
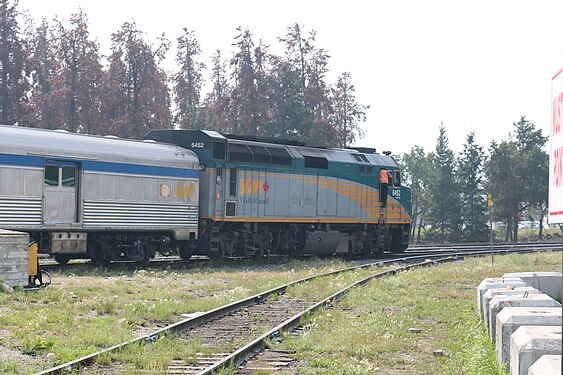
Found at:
(202, 167)
(219, 180)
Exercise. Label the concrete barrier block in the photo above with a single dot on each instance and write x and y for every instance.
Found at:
(546, 365)
(499, 302)
(491, 293)
(527, 277)
(512, 318)
(529, 343)
(492, 283)
(550, 283)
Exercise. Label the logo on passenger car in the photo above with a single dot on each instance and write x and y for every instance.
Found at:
(165, 190)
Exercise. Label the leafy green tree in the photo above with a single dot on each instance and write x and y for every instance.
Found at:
(500, 172)
(188, 81)
(444, 208)
(136, 97)
(13, 66)
(470, 179)
(416, 172)
(517, 175)
(290, 117)
(535, 167)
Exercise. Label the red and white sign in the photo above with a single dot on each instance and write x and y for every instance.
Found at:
(556, 152)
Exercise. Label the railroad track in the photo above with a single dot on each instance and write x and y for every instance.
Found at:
(50, 264)
(234, 333)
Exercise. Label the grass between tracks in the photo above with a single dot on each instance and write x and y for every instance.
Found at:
(368, 331)
(87, 309)
(94, 308)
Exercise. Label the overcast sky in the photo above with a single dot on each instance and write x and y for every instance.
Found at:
(474, 65)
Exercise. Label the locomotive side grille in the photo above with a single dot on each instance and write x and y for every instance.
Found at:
(101, 213)
(20, 211)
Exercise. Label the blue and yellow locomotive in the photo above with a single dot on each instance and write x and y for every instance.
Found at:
(260, 196)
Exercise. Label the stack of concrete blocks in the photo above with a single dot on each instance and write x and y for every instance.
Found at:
(13, 257)
(523, 317)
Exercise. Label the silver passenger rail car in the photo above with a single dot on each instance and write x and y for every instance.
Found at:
(104, 198)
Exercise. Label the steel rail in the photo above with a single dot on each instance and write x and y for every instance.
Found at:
(203, 318)
(416, 247)
(248, 351)
(226, 309)
(484, 249)
(238, 357)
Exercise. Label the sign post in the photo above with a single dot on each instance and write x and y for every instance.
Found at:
(490, 204)
(555, 215)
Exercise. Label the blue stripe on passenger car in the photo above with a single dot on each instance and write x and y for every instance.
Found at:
(100, 166)
(21, 160)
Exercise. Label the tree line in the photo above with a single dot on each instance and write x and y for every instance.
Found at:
(449, 191)
(53, 76)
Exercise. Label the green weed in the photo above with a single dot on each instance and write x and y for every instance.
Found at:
(34, 345)
(10, 367)
(368, 331)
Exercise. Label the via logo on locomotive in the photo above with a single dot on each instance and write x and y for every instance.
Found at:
(253, 186)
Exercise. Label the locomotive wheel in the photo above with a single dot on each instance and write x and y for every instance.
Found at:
(61, 258)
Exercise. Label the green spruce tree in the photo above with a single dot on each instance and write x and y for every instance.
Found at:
(473, 204)
(444, 208)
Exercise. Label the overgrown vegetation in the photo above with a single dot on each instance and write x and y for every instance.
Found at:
(94, 308)
(56, 78)
(368, 331)
(449, 192)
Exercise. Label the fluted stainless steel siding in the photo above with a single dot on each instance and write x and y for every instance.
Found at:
(132, 214)
(19, 211)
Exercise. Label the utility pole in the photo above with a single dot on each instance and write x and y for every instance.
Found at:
(490, 204)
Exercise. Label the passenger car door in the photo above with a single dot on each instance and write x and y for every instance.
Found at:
(60, 192)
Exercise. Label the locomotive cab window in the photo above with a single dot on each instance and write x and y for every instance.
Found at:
(396, 178)
(68, 176)
(51, 175)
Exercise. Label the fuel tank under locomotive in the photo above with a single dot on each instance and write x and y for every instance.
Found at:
(318, 242)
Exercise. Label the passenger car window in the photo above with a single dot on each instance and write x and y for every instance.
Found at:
(51, 175)
(69, 176)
